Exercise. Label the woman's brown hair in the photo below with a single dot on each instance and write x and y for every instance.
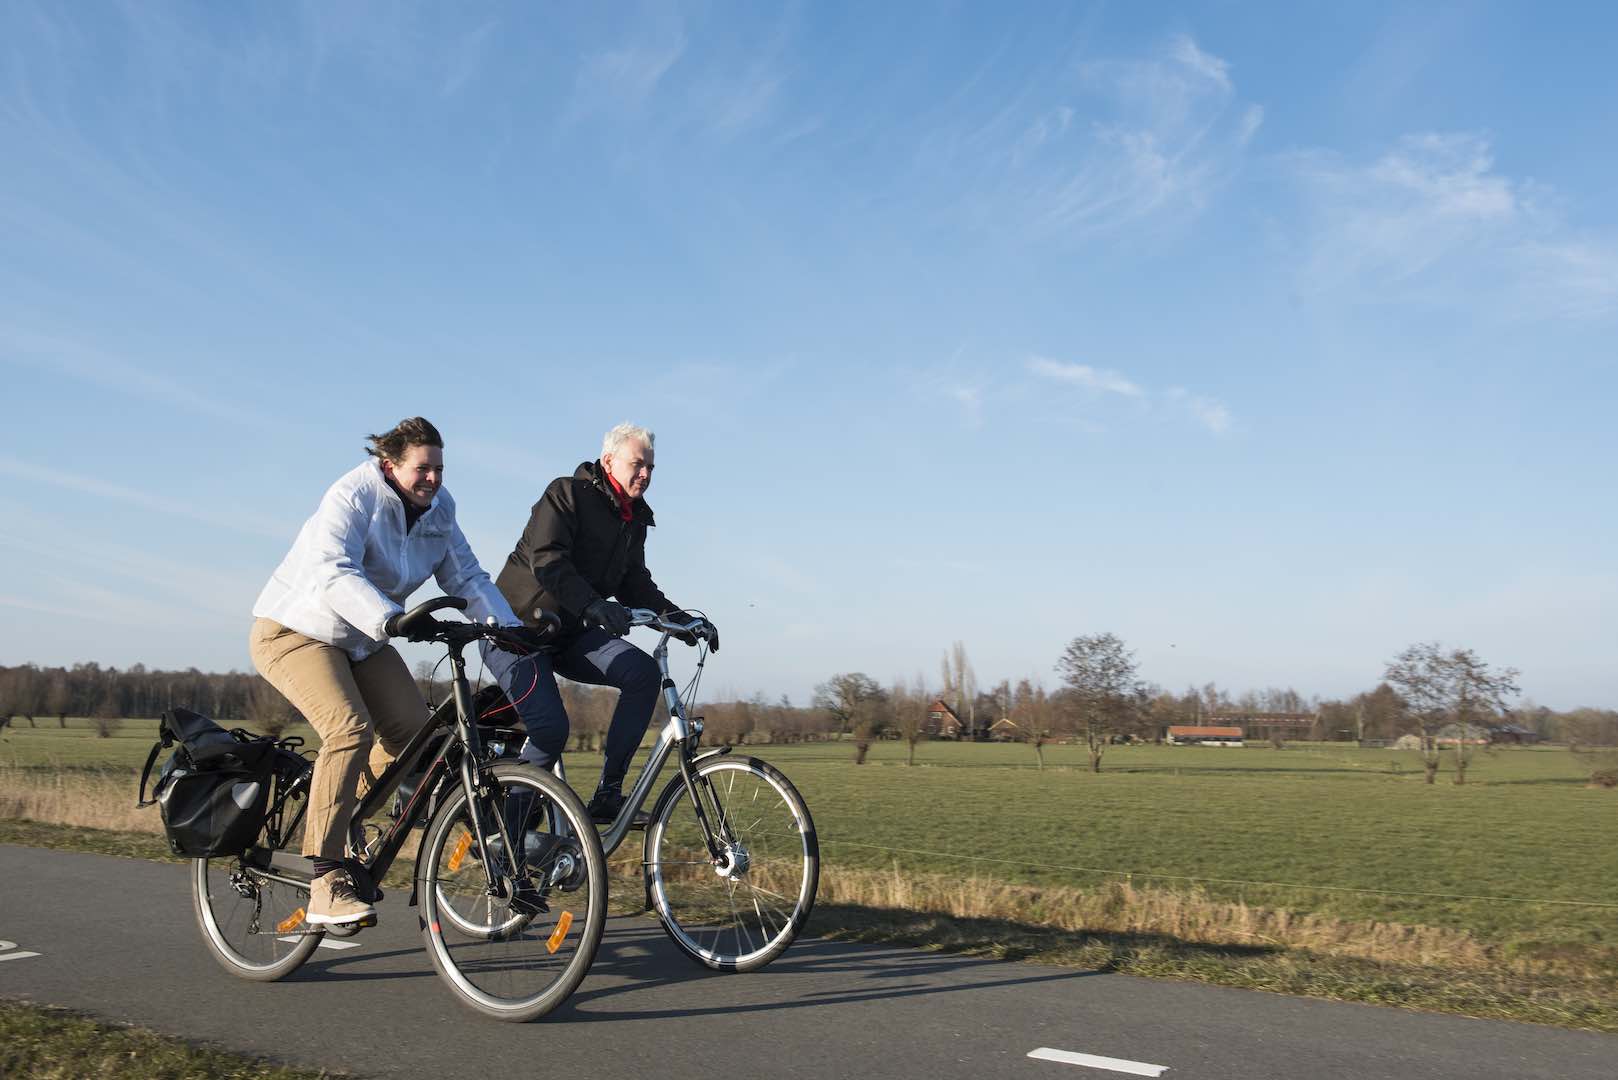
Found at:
(415, 431)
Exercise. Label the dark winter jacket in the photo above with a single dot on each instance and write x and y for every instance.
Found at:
(578, 549)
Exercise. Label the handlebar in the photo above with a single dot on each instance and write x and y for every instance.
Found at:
(418, 624)
(648, 617)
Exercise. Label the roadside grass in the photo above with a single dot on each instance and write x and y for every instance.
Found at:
(43, 1043)
(1321, 868)
(1591, 1004)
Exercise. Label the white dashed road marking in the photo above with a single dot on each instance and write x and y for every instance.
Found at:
(1095, 1061)
(327, 943)
(9, 951)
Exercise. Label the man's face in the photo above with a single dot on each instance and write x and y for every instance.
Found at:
(631, 466)
(418, 473)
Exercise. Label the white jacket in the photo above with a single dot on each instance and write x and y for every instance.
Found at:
(353, 565)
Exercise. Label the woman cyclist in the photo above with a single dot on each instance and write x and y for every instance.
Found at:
(322, 623)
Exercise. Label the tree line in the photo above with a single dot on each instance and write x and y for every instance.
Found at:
(1445, 699)
(1100, 700)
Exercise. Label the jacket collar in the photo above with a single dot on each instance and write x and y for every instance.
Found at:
(381, 479)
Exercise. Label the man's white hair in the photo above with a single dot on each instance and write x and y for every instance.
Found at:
(616, 437)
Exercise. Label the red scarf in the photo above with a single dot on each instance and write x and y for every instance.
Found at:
(626, 505)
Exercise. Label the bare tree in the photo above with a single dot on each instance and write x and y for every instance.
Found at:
(107, 718)
(1031, 710)
(58, 699)
(1451, 687)
(857, 705)
(266, 710)
(910, 713)
(1102, 690)
(961, 688)
(425, 681)
(1592, 736)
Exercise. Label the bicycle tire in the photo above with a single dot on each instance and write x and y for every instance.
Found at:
(762, 900)
(252, 924)
(504, 956)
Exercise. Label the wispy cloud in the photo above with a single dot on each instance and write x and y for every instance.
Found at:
(1433, 220)
(971, 402)
(88, 485)
(466, 58)
(1084, 375)
(47, 542)
(1125, 141)
(626, 75)
(87, 364)
(1208, 412)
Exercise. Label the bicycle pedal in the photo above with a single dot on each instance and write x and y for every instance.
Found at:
(349, 929)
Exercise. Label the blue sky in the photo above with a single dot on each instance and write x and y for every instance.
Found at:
(1269, 337)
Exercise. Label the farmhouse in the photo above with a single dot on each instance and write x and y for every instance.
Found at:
(1195, 735)
(942, 723)
(1004, 730)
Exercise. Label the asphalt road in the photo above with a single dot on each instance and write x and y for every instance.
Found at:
(116, 938)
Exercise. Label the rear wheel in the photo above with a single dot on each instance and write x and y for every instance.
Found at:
(739, 911)
(252, 921)
(513, 929)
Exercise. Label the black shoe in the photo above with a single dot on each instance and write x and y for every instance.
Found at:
(605, 804)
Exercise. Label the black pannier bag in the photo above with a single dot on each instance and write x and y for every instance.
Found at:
(214, 790)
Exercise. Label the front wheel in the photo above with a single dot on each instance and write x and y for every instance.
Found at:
(513, 929)
(739, 911)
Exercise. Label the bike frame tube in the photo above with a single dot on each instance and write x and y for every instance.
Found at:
(454, 714)
(677, 733)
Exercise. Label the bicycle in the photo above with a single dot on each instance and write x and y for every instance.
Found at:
(730, 853)
(512, 927)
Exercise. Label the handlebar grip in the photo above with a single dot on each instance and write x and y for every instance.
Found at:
(420, 617)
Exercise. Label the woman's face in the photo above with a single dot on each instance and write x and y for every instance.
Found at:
(419, 472)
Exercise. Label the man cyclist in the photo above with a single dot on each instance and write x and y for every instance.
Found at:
(322, 624)
(583, 556)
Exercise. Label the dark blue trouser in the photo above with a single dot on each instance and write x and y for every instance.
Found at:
(594, 657)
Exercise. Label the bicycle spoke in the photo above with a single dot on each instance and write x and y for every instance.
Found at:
(741, 919)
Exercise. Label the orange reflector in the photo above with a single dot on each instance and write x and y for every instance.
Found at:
(560, 932)
(458, 855)
(290, 921)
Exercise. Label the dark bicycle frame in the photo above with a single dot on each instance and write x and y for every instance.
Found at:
(456, 743)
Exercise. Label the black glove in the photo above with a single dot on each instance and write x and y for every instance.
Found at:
(704, 629)
(421, 630)
(609, 615)
(521, 640)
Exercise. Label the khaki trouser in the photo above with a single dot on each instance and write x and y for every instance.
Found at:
(364, 713)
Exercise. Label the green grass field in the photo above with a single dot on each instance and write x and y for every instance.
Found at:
(1525, 836)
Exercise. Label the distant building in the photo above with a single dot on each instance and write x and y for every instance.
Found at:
(1513, 734)
(1261, 726)
(1204, 735)
(1462, 734)
(1004, 730)
(942, 723)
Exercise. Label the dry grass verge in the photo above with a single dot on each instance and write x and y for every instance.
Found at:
(1120, 907)
(93, 799)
